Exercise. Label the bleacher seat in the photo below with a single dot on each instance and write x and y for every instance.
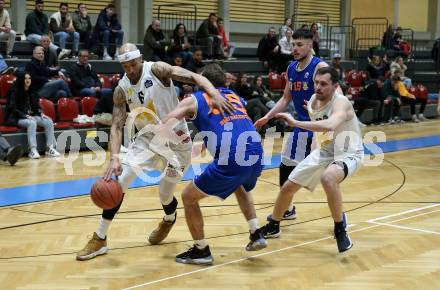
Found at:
(88, 104)
(6, 82)
(48, 108)
(115, 80)
(68, 110)
(354, 92)
(277, 82)
(355, 78)
(105, 81)
(3, 128)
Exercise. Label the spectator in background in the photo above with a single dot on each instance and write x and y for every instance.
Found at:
(392, 102)
(6, 33)
(85, 81)
(155, 46)
(316, 38)
(207, 36)
(37, 24)
(82, 24)
(371, 97)
(286, 48)
(43, 81)
(227, 48)
(336, 64)
(255, 108)
(268, 50)
(411, 100)
(398, 65)
(61, 25)
(287, 25)
(180, 45)
(263, 93)
(387, 38)
(399, 44)
(195, 64)
(9, 153)
(230, 80)
(24, 111)
(377, 67)
(108, 29)
(50, 56)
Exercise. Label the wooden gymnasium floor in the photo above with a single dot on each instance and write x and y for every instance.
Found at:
(393, 211)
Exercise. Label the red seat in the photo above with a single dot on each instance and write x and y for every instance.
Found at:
(354, 92)
(68, 110)
(355, 79)
(88, 104)
(48, 108)
(6, 82)
(6, 129)
(115, 80)
(105, 81)
(276, 82)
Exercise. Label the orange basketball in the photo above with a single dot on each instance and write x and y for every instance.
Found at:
(106, 194)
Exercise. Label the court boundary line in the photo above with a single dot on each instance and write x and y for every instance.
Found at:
(371, 221)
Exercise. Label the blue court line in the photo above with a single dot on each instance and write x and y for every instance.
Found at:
(62, 189)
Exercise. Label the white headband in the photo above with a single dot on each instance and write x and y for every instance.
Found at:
(129, 55)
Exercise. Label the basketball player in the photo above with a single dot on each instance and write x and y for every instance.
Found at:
(339, 154)
(236, 147)
(299, 88)
(147, 87)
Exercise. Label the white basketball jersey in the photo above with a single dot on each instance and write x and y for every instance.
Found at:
(346, 139)
(150, 93)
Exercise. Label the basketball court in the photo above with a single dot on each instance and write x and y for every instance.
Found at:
(393, 214)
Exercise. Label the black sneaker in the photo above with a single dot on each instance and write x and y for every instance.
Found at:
(196, 256)
(344, 220)
(270, 230)
(257, 241)
(288, 215)
(14, 153)
(343, 240)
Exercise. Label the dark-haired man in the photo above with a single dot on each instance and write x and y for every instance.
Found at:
(235, 168)
(339, 154)
(299, 88)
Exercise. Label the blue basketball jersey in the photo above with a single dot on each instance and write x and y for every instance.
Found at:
(302, 88)
(224, 136)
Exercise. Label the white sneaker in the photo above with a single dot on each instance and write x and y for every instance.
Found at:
(414, 119)
(52, 152)
(64, 54)
(422, 118)
(106, 57)
(33, 154)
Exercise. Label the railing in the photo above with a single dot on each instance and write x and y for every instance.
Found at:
(342, 40)
(172, 14)
(369, 32)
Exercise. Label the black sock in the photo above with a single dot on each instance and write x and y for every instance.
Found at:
(58, 50)
(170, 208)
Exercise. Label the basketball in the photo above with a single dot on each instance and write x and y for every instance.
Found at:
(106, 195)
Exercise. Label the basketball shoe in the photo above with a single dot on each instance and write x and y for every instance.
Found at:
(196, 256)
(161, 232)
(257, 241)
(95, 247)
(271, 230)
(288, 215)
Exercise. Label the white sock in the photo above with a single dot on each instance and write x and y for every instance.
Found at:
(103, 228)
(105, 51)
(200, 244)
(170, 217)
(253, 225)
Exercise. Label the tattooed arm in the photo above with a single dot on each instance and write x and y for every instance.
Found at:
(119, 117)
(165, 72)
